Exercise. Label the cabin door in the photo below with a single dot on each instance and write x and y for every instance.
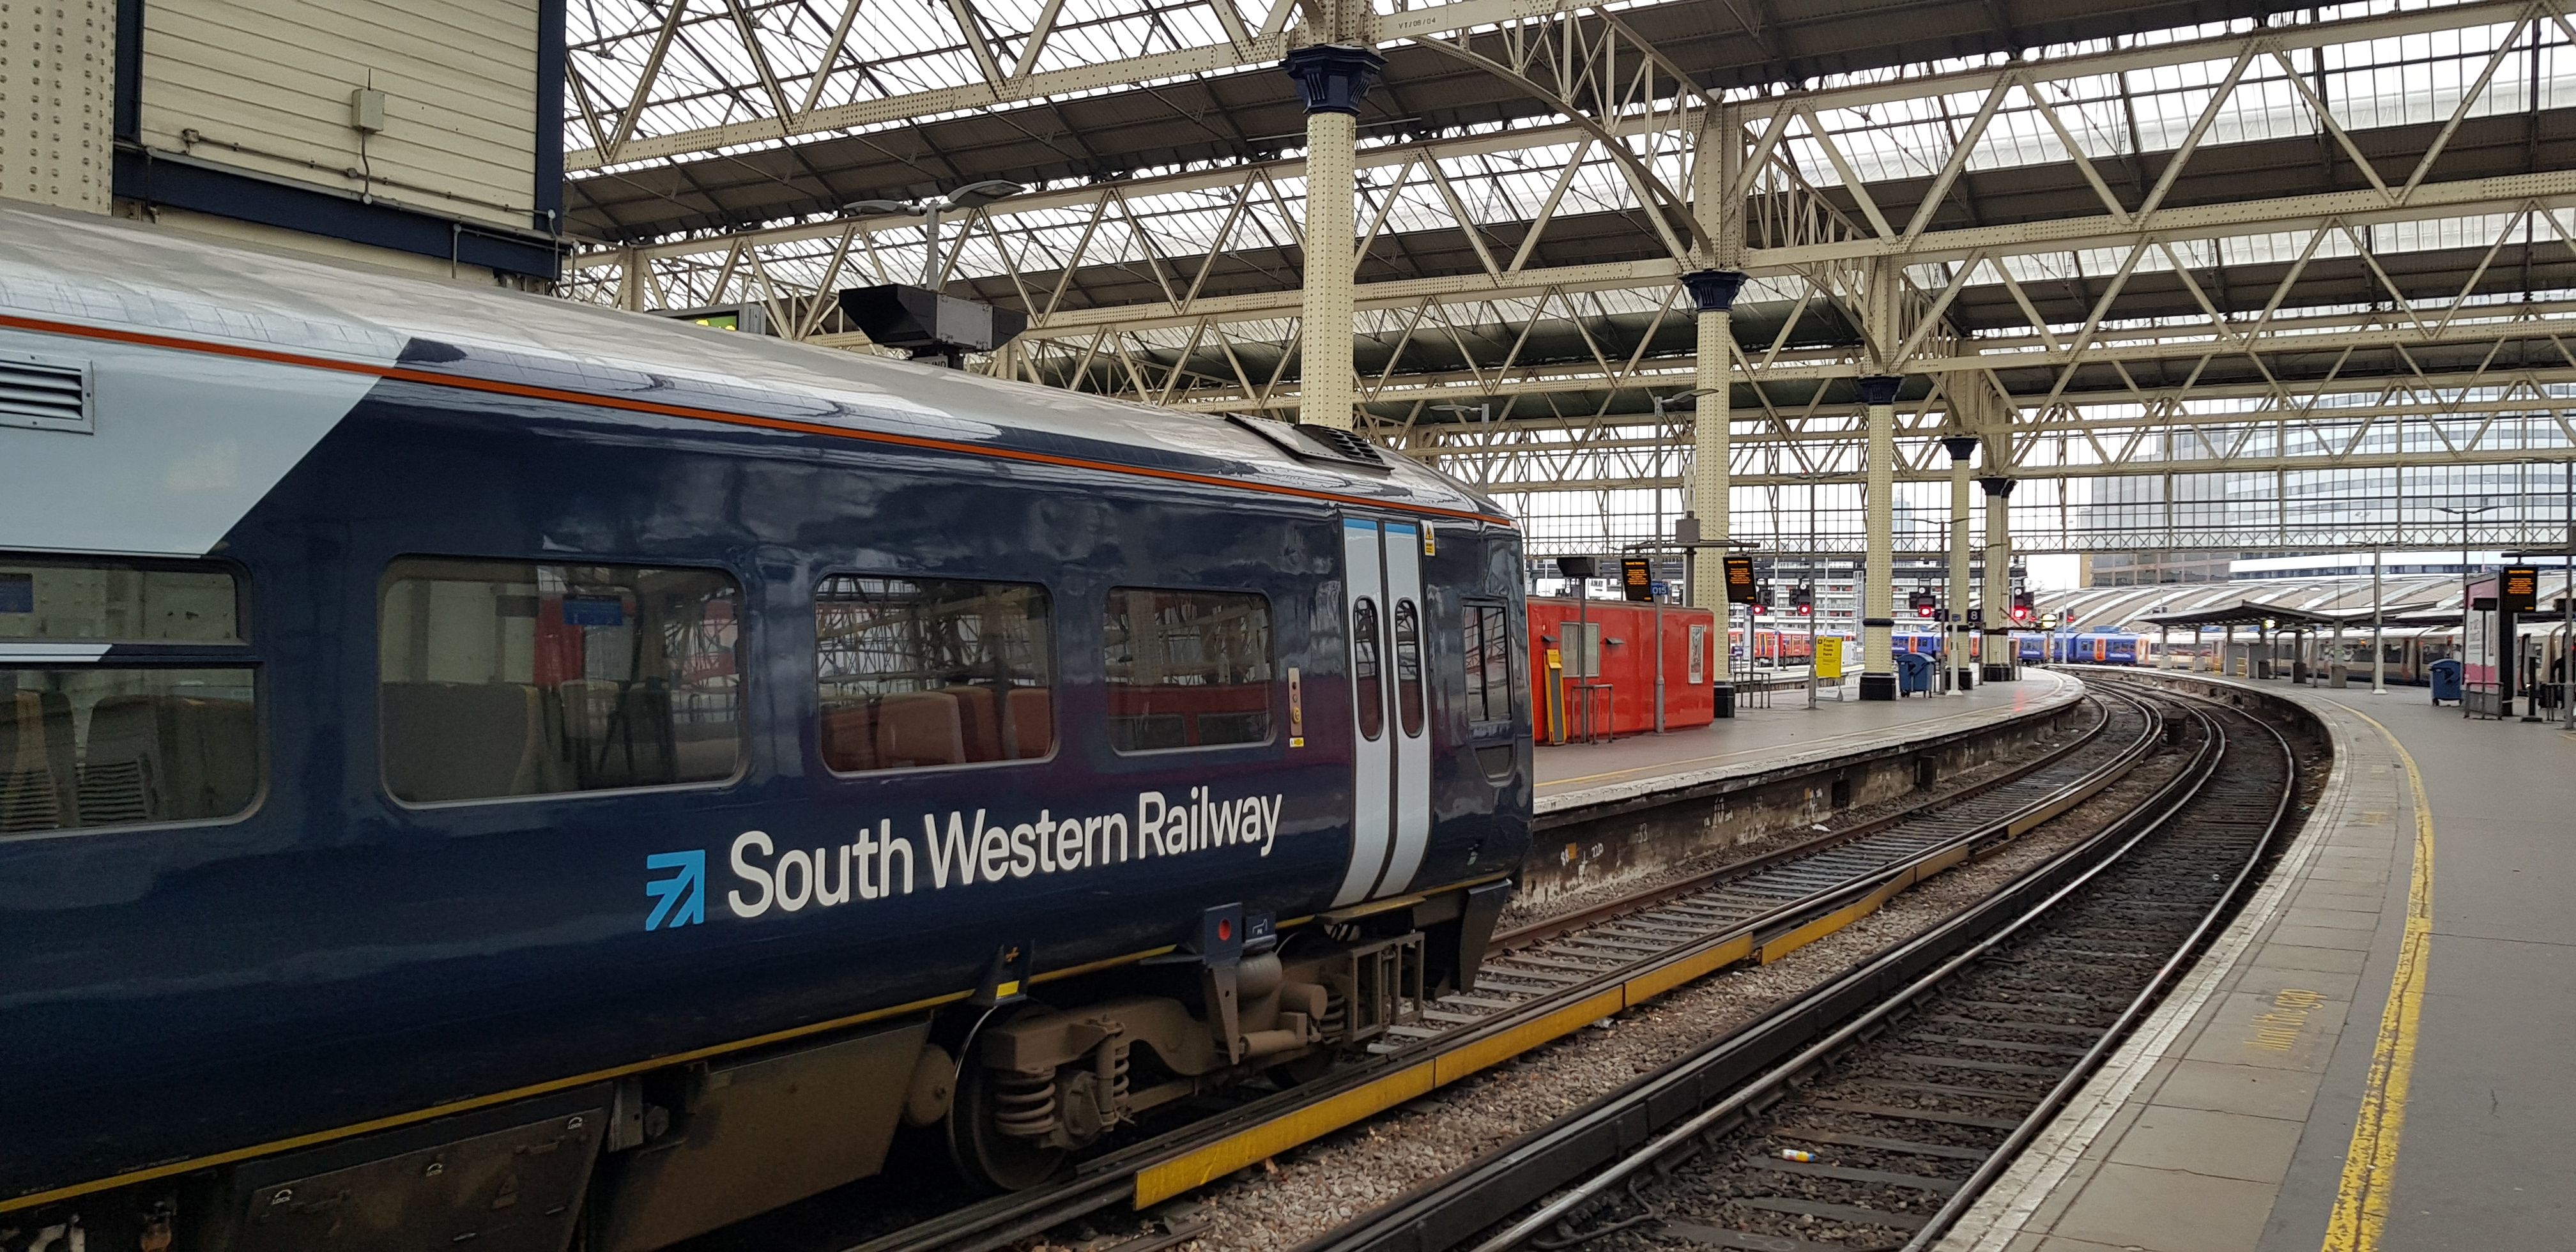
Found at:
(1390, 719)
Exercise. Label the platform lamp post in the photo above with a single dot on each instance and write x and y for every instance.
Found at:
(1963, 677)
(1878, 580)
(2378, 623)
(2464, 513)
(1690, 521)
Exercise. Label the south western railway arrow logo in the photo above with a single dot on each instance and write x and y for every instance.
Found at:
(681, 899)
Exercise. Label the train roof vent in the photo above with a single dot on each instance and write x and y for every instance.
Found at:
(45, 393)
(1316, 443)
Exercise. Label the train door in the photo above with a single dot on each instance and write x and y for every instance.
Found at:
(1390, 723)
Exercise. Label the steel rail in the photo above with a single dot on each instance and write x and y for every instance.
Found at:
(1383, 1082)
(2138, 1007)
(1727, 1080)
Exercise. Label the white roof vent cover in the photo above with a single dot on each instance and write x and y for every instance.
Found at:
(46, 393)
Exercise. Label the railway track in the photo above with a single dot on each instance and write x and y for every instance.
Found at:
(1872, 1112)
(1548, 979)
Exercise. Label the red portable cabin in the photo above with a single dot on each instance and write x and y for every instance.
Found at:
(1623, 699)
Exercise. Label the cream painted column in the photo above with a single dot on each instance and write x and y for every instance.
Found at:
(1954, 604)
(1995, 591)
(631, 287)
(1719, 155)
(1878, 567)
(58, 102)
(1332, 79)
(1713, 292)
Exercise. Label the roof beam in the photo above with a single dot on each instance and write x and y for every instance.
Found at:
(1257, 51)
(2552, 189)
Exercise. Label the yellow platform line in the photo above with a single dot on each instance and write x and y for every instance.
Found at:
(2360, 1214)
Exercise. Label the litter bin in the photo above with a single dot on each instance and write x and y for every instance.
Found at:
(2446, 680)
(1914, 673)
(1723, 696)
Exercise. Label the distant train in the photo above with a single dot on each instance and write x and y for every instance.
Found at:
(1790, 645)
(2079, 648)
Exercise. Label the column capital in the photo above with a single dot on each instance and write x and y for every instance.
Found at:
(1997, 486)
(1333, 77)
(1714, 290)
(1960, 447)
(1877, 389)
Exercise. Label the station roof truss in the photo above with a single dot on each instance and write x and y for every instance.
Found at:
(2129, 238)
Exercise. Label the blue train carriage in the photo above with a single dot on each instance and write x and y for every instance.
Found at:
(2076, 647)
(475, 765)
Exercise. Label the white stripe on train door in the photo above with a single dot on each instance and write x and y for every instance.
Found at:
(1408, 623)
(1364, 616)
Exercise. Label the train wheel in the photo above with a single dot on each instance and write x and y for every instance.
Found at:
(1304, 1069)
(988, 1099)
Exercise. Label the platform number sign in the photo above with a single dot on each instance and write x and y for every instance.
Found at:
(1739, 580)
(1637, 578)
(2518, 589)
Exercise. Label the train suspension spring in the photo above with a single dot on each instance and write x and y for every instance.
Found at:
(1024, 1104)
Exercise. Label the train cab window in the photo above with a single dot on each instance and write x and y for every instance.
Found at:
(1368, 682)
(167, 731)
(923, 671)
(498, 678)
(1488, 647)
(1187, 669)
(1408, 668)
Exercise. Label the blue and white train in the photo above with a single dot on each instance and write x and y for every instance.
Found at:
(476, 768)
(2093, 647)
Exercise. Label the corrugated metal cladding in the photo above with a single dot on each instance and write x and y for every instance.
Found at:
(57, 80)
(266, 86)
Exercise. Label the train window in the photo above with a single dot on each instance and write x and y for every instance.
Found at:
(501, 679)
(1368, 685)
(89, 744)
(1408, 668)
(1186, 669)
(117, 603)
(924, 671)
(1489, 664)
(83, 747)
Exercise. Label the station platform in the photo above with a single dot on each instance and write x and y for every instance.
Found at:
(2276, 1101)
(1758, 740)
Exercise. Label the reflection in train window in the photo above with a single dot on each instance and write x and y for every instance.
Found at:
(1368, 685)
(924, 671)
(117, 602)
(1186, 669)
(1408, 668)
(1488, 647)
(83, 747)
(106, 742)
(506, 679)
